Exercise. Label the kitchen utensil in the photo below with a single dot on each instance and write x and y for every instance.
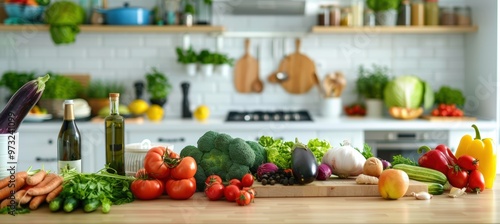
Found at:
(127, 15)
(186, 113)
(246, 72)
(334, 84)
(300, 72)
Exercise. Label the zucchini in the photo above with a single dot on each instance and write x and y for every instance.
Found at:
(20, 104)
(55, 204)
(90, 205)
(434, 188)
(422, 174)
(70, 204)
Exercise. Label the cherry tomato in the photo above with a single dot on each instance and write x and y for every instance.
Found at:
(146, 189)
(180, 189)
(185, 169)
(458, 178)
(435, 112)
(214, 191)
(236, 182)
(231, 192)
(247, 180)
(467, 162)
(476, 182)
(243, 198)
(213, 179)
(251, 191)
(154, 162)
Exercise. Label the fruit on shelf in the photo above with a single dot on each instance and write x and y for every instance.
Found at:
(447, 110)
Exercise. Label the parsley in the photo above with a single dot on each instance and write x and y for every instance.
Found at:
(367, 151)
(399, 159)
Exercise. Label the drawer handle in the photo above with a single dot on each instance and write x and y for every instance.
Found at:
(171, 140)
(40, 159)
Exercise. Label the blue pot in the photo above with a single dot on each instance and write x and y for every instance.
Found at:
(127, 16)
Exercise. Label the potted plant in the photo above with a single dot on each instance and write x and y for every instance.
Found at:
(58, 89)
(188, 58)
(386, 11)
(223, 64)
(370, 85)
(98, 94)
(206, 60)
(14, 80)
(158, 86)
(189, 11)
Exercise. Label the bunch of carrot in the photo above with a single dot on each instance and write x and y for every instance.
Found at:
(30, 188)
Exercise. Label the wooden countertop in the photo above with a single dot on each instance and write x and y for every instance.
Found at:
(470, 208)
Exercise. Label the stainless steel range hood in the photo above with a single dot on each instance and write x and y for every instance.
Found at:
(264, 7)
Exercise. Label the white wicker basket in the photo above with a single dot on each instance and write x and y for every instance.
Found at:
(135, 152)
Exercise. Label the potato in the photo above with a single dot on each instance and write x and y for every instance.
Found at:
(373, 167)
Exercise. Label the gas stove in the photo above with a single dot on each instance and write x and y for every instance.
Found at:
(263, 116)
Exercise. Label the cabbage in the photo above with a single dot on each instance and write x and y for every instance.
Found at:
(64, 18)
(408, 91)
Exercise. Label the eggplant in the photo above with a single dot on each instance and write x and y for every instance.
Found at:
(20, 104)
(304, 164)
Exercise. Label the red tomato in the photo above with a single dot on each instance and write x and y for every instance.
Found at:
(214, 191)
(467, 162)
(243, 198)
(458, 178)
(251, 191)
(236, 182)
(247, 180)
(141, 174)
(435, 112)
(185, 169)
(213, 179)
(146, 189)
(180, 189)
(154, 162)
(231, 192)
(476, 182)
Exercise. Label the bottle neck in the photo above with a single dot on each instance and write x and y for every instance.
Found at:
(113, 106)
(69, 114)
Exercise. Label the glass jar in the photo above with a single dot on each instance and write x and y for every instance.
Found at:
(323, 16)
(357, 9)
(447, 16)
(417, 13)
(463, 16)
(346, 17)
(369, 18)
(431, 13)
(404, 14)
(335, 15)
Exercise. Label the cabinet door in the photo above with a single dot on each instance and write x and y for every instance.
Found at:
(178, 139)
(356, 138)
(36, 150)
(93, 155)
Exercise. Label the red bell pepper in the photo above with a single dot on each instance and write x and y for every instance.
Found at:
(452, 160)
(433, 159)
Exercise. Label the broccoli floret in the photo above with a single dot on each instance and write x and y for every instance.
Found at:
(260, 155)
(240, 152)
(200, 178)
(222, 142)
(212, 159)
(192, 151)
(207, 141)
(237, 171)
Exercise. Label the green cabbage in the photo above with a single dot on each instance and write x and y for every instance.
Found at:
(408, 91)
(64, 18)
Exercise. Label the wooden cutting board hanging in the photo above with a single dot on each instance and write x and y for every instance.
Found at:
(246, 72)
(298, 70)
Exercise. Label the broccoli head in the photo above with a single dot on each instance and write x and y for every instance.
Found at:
(213, 160)
(240, 152)
(192, 151)
(222, 142)
(260, 155)
(200, 178)
(207, 141)
(237, 171)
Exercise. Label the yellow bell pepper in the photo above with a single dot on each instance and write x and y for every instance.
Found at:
(483, 150)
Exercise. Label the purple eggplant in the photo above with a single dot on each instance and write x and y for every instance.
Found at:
(21, 103)
(304, 164)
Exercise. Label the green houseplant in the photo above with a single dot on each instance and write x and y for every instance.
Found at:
(386, 11)
(97, 94)
(188, 58)
(13, 80)
(206, 60)
(223, 64)
(58, 89)
(158, 86)
(370, 85)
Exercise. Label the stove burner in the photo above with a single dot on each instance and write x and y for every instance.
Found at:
(262, 116)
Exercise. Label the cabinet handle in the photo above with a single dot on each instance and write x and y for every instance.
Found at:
(40, 159)
(50, 142)
(171, 140)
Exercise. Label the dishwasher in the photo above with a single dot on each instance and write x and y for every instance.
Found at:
(386, 144)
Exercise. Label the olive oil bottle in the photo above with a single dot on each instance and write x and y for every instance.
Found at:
(69, 153)
(115, 136)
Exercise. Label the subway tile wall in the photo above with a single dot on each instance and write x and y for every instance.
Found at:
(436, 58)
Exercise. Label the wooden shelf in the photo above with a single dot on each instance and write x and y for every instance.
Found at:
(121, 29)
(396, 29)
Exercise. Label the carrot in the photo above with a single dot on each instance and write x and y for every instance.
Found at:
(19, 194)
(21, 197)
(45, 180)
(25, 199)
(5, 181)
(50, 186)
(53, 194)
(5, 192)
(36, 201)
(36, 178)
(6, 202)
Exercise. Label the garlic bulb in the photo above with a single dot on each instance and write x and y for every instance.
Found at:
(456, 192)
(344, 160)
(422, 195)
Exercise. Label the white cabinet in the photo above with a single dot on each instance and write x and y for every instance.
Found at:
(179, 139)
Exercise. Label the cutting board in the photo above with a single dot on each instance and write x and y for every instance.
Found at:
(441, 118)
(300, 71)
(334, 187)
(246, 72)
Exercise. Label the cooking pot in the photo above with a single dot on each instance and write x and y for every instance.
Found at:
(127, 15)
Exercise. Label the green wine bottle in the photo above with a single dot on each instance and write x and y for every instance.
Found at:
(115, 136)
(69, 153)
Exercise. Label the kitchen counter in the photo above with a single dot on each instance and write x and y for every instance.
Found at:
(470, 208)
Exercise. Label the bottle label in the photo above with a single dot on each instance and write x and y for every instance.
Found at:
(76, 164)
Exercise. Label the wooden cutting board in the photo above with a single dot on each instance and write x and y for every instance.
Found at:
(333, 187)
(246, 72)
(440, 118)
(300, 71)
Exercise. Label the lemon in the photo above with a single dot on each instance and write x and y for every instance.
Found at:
(201, 113)
(138, 107)
(155, 113)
